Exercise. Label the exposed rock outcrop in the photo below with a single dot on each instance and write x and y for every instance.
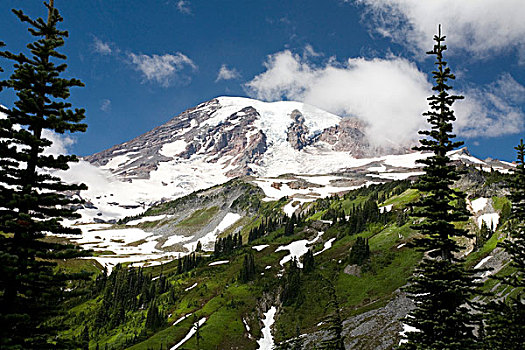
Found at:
(297, 134)
(373, 330)
(348, 136)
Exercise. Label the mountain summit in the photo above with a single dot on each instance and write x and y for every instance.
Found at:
(239, 136)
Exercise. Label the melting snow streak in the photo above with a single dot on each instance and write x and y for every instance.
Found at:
(190, 334)
(266, 342)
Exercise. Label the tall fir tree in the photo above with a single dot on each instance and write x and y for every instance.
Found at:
(505, 319)
(308, 261)
(33, 200)
(359, 252)
(334, 340)
(440, 287)
(291, 283)
(247, 272)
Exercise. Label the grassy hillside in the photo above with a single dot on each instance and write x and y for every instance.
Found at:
(232, 309)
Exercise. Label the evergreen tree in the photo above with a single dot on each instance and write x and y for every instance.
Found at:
(154, 319)
(179, 265)
(197, 327)
(360, 251)
(505, 319)
(33, 201)
(440, 287)
(483, 235)
(291, 284)
(247, 272)
(308, 261)
(505, 212)
(516, 245)
(290, 225)
(335, 339)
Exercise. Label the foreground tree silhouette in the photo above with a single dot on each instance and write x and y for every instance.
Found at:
(505, 319)
(33, 201)
(440, 287)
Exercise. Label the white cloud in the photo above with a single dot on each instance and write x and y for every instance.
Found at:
(105, 105)
(310, 52)
(184, 7)
(226, 73)
(492, 110)
(388, 94)
(101, 47)
(60, 144)
(482, 27)
(161, 69)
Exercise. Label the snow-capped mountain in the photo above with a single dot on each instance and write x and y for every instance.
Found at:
(232, 136)
(286, 149)
(241, 136)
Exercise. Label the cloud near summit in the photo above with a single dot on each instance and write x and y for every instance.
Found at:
(389, 94)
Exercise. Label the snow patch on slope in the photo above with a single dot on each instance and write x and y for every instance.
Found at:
(210, 238)
(267, 342)
(297, 249)
(147, 219)
(479, 204)
(190, 334)
(173, 148)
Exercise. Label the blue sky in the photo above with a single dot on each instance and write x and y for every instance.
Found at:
(145, 61)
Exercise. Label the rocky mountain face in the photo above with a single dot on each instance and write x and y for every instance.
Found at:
(297, 132)
(237, 133)
(347, 136)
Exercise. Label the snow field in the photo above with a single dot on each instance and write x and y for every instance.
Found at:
(260, 247)
(147, 219)
(379, 169)
(174, 239)
(396, 176)
(327, 245)
(297, 249)
(182, 319)
(191, 287)
(209, 239)
(116, 161)
(406, 329)
(303, 195)
(246, 325)
(479, 204)
(173, 148)
(220, 262)
(482, 262)
(289, 208)
(266, 342)
(137, 246)
(386, 208)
